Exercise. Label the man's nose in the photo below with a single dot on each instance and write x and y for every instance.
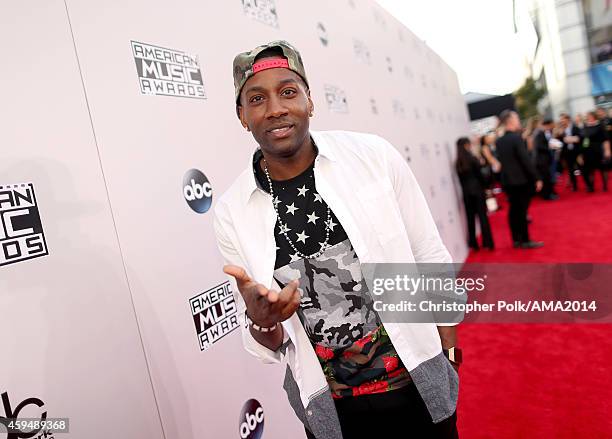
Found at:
(276, 108)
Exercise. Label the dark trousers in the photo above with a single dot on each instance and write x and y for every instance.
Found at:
(476, 205)
(570, 163)
(398, 414)
(519, 197)
(592, 163)
(547, 184)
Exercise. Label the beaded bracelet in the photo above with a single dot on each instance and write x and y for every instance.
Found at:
(261, 328)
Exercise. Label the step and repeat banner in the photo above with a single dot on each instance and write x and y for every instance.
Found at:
(118, 134)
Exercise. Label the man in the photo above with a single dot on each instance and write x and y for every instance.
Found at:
(294, 229)
(571, 147)
(544, 159)
(518, 178)
(602, 115)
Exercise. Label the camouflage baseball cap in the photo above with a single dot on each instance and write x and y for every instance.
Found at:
(245, 65)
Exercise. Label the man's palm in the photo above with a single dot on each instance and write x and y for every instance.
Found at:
(265, 307)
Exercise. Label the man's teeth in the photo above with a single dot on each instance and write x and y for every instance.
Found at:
(276, 130)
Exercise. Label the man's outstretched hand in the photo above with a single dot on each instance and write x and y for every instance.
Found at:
(265, 307)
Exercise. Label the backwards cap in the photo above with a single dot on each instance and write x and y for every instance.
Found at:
(245, 65)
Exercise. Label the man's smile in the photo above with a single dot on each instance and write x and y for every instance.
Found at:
(280, 131)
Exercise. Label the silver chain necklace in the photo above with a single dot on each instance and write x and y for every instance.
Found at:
(283, 229)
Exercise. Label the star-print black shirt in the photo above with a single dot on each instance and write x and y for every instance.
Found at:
(336, 310)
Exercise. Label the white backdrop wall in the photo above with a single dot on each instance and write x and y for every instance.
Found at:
(102, 327)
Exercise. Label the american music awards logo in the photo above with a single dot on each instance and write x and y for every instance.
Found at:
(443, 183)
(362, 53)
(21, 232)
(430, 114)
(379, 18)
(263, 11)
(408, 73)
(407, 153)
(449, 153)
(373, 106)
(423, 80)
(167, 72)
(398, 109)
(336, 99)
(424, 151)
(440, 227)
(323, 37)
(214, 314)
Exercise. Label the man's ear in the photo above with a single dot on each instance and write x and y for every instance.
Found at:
(239, 113)
(310, 104)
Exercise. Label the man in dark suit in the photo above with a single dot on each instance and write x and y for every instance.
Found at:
(544, 159)
(571, 147)
(605, 119)
(519, 177)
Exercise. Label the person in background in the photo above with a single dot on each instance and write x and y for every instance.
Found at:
(544, 158)
(555, 145)
(473, 184)
(487, 149)
(579, 120)
(570, 136)
(519, 177)
(500, 130)
(481, 154)
(595, 151)
(532, 128)
(603, 117)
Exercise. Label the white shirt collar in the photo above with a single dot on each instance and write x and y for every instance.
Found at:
(250, 184)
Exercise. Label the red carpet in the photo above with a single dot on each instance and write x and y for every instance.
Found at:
(542, 380)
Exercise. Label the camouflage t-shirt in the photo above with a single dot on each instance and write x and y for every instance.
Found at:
(336, 310)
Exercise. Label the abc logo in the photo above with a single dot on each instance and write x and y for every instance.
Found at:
(322, 34)
(197, 190)
(251, 421)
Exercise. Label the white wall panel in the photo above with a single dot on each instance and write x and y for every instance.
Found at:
(67, 322)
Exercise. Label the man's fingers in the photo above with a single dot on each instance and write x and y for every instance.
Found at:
(253, 292)
(292, 304)
(287, 293)
(272, 296)
(263, 291)
(237, 272)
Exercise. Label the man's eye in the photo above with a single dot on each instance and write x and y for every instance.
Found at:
(288, 92)
(255, 99)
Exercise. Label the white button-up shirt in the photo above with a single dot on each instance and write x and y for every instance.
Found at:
(375, 196)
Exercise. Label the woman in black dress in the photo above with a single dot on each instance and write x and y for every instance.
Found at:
(473, 185)
(595, 151)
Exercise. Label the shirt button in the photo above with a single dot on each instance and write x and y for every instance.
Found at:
(309, 412)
